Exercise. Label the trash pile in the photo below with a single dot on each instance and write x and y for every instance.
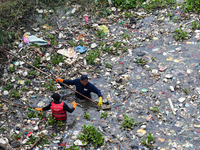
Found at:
(145, 64)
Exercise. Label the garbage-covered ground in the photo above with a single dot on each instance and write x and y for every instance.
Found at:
(145, 64)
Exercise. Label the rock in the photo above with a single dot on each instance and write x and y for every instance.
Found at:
(5, 93)
(182, 99)
(79, 143)
(171, 88)
(143, 126)
(3, 140)
(168, 76)
(45, 132)
(35, 128)
(158, 103)
(93, 45)
(165, 80)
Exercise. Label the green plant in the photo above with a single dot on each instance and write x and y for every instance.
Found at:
(127, 14)
(180, 34)
(32, 139)
(36, 63)
(27, 82)
(14, 93)
(3, 129)
(125, 35)
(23, 89)
(57, 58)
(128, 122)
(11, 69)
(153, 58)
(186, 91)
(124, 49)
(154, 109)
(86, 115)
(107, 65)
(155, 4)
(50, 36)
(101, 43)
(104, 115)
(59, 123)
(72, 147)
(191, 6)
(175, 19)
(100, 33)
(105, 12)
(50, 85)
(1, 38)
(128, 4)
(51, 120)
(32, 73)
(72, 43)
(141, 62)
(82, 43)
(195, 25)
(150, 68)
(8, 87)
(17, 136)
(90, 134)
(92, 55)
(148, 141)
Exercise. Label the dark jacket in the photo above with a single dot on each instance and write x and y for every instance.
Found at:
(85, 90)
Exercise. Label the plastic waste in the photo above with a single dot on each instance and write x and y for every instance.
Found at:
(28, 39)
(80, 49)
(104, 28)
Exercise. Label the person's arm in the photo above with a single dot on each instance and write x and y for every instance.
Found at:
(47, 107)
(70, 82)
(67, 108)
(95, 90)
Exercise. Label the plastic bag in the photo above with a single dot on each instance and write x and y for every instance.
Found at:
(104, 28)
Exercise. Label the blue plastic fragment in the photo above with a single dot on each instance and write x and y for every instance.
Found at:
(80, 49)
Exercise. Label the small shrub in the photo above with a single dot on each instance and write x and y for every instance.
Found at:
(148, 141)
(191, 6)
(11, 69)
(180, 34)
(108, 65)
(128, 122)
(50, 85)
(100, 33)
(104, 115)
(72, 43)
(195, 25)
(57, 58)
(154, 109)
(36, 63)
(14, 93)
(86, 115)
(90, 134)
(8, 87)
(186, 91)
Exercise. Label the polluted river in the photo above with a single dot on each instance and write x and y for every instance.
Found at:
(146, 66)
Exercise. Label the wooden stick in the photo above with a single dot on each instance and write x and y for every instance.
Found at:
(14, 103)
(51, 75)
(35, 143)
(171, 105)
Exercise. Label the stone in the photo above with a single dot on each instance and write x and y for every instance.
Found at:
(93, 45)
(168, 76)
(158, 103)
(143, 126)
(171, 88)
(182, 99)
(79, 143)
